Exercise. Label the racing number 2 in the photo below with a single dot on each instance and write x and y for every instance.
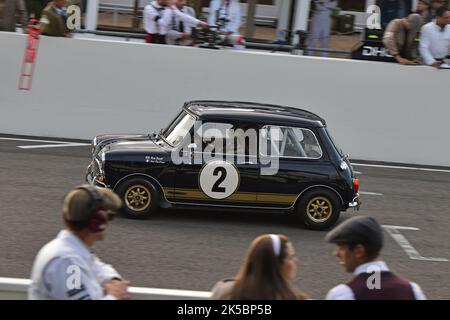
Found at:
(223, 175)
(219, 179)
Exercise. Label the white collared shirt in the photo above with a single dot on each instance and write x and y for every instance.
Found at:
(232, 13)
(434, 42)
(343, 291)
(64, 269)
(158, 19)
(174, 34)
(187, 26)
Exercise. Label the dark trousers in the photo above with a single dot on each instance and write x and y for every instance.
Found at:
(155, 38)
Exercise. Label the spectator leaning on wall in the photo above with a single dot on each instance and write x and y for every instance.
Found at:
(435, 39)
(359, 241)
(12, 11)
(179, 31)
(400, 38)
(65, 268)
(54, 19)
(158, 16)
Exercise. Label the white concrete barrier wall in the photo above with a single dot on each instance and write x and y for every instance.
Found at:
(81, 88)
(17, 289)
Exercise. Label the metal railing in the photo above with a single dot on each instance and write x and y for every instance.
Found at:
(16, 289)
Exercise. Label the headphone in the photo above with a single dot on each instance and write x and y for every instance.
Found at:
(98, 216)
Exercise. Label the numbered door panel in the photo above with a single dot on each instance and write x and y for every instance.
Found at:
(217, 182)
(226, 175)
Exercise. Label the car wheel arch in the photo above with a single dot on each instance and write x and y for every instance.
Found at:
(142, 175)
(314, 187)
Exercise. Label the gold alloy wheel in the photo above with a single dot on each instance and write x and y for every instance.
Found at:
(138, 198)
(319, 209)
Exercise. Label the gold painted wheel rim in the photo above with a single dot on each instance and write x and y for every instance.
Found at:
(138, 198)
(319, 209)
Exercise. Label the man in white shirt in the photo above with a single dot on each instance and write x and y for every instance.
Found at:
(65, 269)
(158, 16)
(359, 241)
(434, 44)
(179, 31)
(226, 14)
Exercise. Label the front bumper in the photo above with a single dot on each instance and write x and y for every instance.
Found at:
(356, 203)
(94, 175)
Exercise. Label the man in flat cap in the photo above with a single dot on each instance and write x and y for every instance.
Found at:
(400, 38)
(65, 268)
(359, 241)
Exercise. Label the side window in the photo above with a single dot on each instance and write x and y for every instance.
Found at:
(237, 139)
(211, 133)
(291, 142)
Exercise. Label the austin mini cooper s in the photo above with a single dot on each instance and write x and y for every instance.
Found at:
(235, 155)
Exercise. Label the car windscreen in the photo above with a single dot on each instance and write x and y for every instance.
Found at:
(179, 128)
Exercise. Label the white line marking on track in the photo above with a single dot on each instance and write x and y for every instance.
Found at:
(54, 144)
(412, 253)
(399, 167)
(370, 193)
(400, 227)
(60, 145)
(34, 140)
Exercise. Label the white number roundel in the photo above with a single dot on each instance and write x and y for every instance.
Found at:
(219, 179)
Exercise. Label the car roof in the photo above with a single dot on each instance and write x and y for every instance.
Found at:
(253, 112)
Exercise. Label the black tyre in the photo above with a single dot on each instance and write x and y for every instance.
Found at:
(319, 209)
(140, 198)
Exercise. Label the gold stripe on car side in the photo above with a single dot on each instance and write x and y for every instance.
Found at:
(276, 198)
(197, 194)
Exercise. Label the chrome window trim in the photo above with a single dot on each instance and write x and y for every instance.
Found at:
(174, 146)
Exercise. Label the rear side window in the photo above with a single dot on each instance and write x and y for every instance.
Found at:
(291, 142)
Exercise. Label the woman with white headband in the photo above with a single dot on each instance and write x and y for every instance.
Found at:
(267, 273)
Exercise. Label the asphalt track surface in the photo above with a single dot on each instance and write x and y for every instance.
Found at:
(194, 249)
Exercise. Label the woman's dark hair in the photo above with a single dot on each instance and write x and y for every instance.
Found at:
(261, 276)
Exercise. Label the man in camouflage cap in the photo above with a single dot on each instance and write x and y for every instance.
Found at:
(65, 268)
(359, 241)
